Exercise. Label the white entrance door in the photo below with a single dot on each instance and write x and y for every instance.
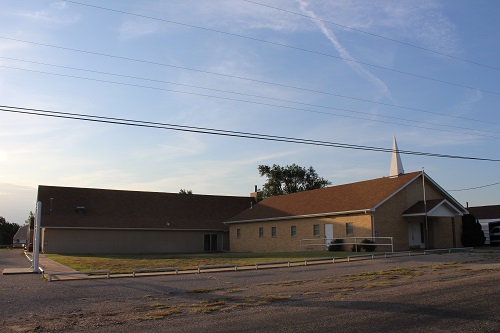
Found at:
(328, 233)
(415, 234)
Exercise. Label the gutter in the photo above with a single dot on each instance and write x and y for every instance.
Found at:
(134, 229)
(294, 217)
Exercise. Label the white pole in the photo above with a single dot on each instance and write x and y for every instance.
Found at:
(427, 245)
(36, 236)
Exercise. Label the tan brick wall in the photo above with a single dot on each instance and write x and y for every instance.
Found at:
(390, 223)
(250, 241)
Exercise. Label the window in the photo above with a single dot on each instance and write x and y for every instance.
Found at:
(238, 233)
(261, 232)
(316, 230)
(273, 231)
(293, 231)
(349, 228)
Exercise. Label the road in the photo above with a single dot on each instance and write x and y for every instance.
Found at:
(434, 293)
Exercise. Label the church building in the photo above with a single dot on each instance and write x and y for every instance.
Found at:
(399, 212)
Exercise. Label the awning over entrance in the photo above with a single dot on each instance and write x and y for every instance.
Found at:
(435, 208)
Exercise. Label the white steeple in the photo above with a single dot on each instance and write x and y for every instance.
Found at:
(396, 165)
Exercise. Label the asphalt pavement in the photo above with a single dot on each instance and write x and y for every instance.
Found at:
(455, 292)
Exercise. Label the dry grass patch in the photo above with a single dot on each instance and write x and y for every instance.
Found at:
(285, 283)
(122, 263)
(377, 284)
(162, 313)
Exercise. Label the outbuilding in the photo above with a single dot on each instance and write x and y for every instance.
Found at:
(88, 220)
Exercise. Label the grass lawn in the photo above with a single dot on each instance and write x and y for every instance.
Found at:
(122, 263)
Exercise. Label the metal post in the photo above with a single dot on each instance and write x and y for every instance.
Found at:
(36, 237)
(427, 245)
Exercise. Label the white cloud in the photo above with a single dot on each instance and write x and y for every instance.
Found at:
(134, 28)
(49, 17)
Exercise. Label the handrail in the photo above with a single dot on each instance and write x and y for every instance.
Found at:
(269, 263)
(208, 267)
(395, 253)
(319, 259)
(450, 249)
(163, 269)
(360, 256)
(356, 242)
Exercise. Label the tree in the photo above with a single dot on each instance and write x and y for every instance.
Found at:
(472, 233)
(183, 191)
(7, 231)
(31, 217)
(289, 179)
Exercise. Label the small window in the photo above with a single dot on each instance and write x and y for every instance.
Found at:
(80, 209)
(273, 231)
(316, 230)
(293, 231)
(238, 233)
(349, 228)
(261, 232)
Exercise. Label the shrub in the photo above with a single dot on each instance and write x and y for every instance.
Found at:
(472, 234)
(367, 245)
(336, 245)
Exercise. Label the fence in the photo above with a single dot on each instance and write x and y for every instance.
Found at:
(356, 242)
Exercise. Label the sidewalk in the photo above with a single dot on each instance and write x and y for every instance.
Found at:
(50, 266)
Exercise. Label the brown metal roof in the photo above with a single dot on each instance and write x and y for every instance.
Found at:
(100, 208)
(485, 212)
(363, 195)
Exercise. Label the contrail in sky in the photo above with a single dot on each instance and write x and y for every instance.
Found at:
(342, 51)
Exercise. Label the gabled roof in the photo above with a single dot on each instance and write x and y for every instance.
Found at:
(485, 212)
(347, 198)
(22, 233)
(433, 208)
(71, 207)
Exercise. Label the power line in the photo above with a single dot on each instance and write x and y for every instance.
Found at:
(212, 131)
(229, 92)
(474, 188)
(413, 125)
(286, 46)
(248, 79)
(375, 35)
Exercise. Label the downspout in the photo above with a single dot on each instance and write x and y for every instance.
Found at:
(374, 234)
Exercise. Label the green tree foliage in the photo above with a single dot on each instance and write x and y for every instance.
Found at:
(7, 231)
(31, 217)
(289, 179)
(183, 191)
(472, 234)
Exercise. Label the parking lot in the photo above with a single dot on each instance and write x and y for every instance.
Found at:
(455, 292)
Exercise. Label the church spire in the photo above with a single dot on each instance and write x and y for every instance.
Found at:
(396, 165)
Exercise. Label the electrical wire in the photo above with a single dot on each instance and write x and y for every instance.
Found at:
(474, 188)
(375, 35)
(247, 79)
(235, 93)
(296, 48)
(413, 124)
(212, 131)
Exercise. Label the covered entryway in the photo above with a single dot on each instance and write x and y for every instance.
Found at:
(432, 224)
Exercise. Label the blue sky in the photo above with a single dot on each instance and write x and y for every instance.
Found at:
(431, 101)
